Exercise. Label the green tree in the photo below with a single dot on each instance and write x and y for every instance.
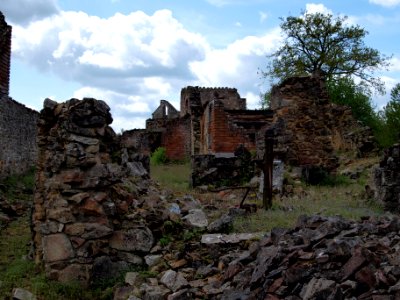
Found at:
(265, 100)
(321, 44)
(391, 115)
(345, 91)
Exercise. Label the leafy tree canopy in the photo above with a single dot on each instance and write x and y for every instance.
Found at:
(391, 115)
(321, 44)
(345, 91)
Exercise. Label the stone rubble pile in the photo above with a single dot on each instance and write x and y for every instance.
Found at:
(321, 258)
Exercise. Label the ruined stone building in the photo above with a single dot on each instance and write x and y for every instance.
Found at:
(211, 121)
(17, 123)
(310, 129)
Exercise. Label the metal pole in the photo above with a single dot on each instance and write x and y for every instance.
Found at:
(268, 166)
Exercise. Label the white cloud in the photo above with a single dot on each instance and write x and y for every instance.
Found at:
(395, 64)
(127, 123)
(25, 11)
(237, 64)
(135, 43)
(238, 24)
(253, 100)
(386, 3)
(312, 8)
(390, 82)
(114, 58)
(132, 61)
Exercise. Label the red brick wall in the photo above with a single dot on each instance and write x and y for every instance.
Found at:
(224, 137)
(176, 139)
(5, 56)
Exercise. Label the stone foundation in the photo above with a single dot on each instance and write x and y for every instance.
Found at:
(220, 171)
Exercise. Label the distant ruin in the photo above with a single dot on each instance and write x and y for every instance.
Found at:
(18, 148)
(211, 121)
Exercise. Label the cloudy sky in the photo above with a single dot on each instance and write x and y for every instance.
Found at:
(133, 53)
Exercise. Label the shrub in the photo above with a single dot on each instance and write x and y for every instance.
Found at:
(159, 156)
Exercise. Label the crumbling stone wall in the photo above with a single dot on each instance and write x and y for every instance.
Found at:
(165, 110)
(224, 130)
(5, 56)
(17, 123)
(167, 129)
(18, 150)
(194, 101)
(222, 170)
(86, 183)
(309, 128)
(176, 139)
(141, 140)
(199, 96)
(387, 179)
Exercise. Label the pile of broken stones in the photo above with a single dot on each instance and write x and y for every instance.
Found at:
(320, 258)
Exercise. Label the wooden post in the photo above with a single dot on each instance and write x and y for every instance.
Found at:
(268, 166)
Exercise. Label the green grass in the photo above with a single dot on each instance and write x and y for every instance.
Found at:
(345, 200)
(172, 176)
(338, 196)
(19, 187)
